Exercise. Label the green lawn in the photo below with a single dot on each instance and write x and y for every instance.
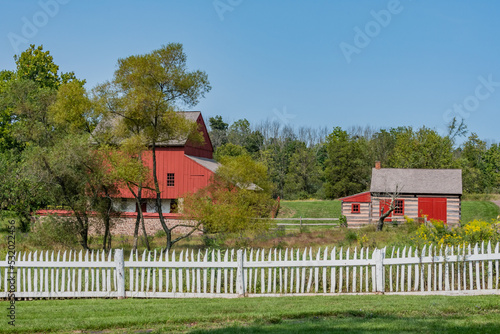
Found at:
(483, 210)
(310, 209)
(353, 314)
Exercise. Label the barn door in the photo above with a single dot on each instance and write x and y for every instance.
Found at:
(385, 204)
(432, 207)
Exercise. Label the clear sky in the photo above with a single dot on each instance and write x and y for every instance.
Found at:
(304, 63)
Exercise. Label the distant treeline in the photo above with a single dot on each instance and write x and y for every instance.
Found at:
(330, 163)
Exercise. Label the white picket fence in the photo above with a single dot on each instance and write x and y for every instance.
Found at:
(230, 273)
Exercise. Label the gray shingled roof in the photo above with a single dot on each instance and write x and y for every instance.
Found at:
(209, 164)
(417, 181)
(190, 115)
(212, 165)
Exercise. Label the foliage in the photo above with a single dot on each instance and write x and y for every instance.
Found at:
(218, 131)
(229, 150)
(346, 170)
(343, 221)
(53, 232)
(142, 105)
(437, 233)
(38, 66)
(424, 148)
(303, 176)
(239, 193)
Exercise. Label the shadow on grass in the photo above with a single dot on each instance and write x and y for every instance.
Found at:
(351, 322)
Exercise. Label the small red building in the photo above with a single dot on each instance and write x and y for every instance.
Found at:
(431, 193)
(182, 167)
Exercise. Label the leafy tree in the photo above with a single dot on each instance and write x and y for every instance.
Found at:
(230, 150)
(52, 117)
(303, 177)
(475, 165)
(218, 131)
(277, 159)
(381, 146)
(424, 148)
(240, 133)
(346, 169)
(19, 190)
(492, 158)
(38, 66)
(239, 192)
(151, 88)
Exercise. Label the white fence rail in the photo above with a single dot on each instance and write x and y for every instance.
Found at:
(230, 273)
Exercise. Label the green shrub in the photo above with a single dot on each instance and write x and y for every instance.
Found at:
(351, 236)
(477, 231)
(54, 232)
(343, 221)
(437, 233)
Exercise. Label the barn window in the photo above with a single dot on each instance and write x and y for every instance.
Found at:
(400, 207)
(355, 208)
(170, 179)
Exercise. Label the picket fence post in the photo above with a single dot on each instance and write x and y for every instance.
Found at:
(378, 256)
(240, 277)
(120, 273)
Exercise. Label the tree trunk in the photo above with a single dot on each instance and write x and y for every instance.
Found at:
(106, 243)
(84, 230)
(138, 198)
(383, 216)
(168, 231)
(144, 233)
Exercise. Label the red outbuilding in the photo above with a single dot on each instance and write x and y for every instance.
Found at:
(430, 193)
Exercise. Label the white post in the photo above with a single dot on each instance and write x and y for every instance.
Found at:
(240, 284)
(120, 273)
(378, 256)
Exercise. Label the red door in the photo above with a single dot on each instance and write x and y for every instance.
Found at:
(432, 207)
(384, 205)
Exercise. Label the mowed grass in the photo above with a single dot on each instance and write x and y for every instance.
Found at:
(309, 209)
(320, 314)
(481, 210)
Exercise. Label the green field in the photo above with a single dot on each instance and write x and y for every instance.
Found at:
(353, 314)
(310, 209)
(483, 210)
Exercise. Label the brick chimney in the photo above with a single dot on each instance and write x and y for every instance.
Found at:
(377, 164)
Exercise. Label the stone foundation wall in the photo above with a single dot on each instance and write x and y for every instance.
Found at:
(126, 226)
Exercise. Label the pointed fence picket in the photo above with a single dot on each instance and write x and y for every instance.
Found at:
(50, 275)
(470, 269)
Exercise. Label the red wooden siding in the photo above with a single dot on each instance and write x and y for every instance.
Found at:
(188, 175)
(432, 207)
(204, 150)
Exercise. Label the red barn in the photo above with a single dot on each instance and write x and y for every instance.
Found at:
(182, 167)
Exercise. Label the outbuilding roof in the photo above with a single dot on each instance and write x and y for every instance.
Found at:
(417, 181)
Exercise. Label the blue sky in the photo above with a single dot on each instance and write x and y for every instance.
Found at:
(305, 63)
